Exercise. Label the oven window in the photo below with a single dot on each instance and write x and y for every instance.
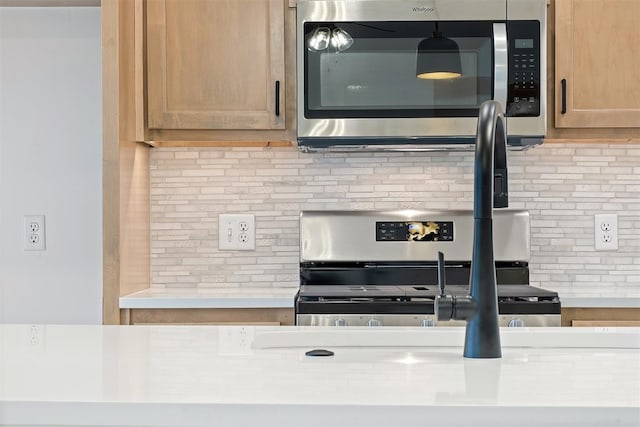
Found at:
(375, 75)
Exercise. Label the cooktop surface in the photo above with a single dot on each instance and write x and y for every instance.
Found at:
(413, 291)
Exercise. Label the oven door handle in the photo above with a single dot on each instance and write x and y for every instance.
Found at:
(501, 64)
(424, 264)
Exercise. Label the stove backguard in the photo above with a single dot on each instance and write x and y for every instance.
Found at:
(406, 236)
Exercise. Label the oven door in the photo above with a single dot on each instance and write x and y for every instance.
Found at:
(420, 320)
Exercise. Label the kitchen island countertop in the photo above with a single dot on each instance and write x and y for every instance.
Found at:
(252, 376)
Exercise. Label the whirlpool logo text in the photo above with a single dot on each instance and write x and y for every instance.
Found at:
(423, 9)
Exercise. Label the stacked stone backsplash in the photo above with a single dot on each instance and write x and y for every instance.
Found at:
(562, 185)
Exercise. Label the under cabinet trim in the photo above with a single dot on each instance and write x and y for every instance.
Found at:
(50, 3)
(221, 144)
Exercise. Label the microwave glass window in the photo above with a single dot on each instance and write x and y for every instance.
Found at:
(376, 75)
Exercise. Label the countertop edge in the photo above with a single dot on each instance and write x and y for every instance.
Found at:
(207, 302)
(170, 414)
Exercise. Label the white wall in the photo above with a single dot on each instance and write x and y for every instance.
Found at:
(51, 163)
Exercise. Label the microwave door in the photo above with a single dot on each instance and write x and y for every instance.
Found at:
(500, 73)
(369, 92)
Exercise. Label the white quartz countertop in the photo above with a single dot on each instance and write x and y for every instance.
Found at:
(211, 298)
(260, 376)
(284, 298)
(598, 299)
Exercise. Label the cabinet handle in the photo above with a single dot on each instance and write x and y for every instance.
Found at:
(563, 83)
(277, 98)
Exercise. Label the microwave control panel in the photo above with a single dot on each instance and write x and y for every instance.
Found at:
(523, 94)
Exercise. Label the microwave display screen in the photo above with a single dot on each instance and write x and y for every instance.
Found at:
(524, 43)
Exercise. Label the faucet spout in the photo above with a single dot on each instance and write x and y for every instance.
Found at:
(480, 307)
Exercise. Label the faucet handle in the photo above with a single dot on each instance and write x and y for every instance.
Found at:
(443, 304)
(441, 279)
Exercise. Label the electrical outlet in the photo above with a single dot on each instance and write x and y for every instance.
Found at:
(235, 340)
(236, 232)
(34, 233)
(35, 337)
(605, 229)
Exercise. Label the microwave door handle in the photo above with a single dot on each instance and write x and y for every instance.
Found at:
(500, 73)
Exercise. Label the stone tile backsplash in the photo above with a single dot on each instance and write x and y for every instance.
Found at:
(562, 185)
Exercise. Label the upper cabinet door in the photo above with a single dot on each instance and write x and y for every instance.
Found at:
(215, 64)
(598, 63)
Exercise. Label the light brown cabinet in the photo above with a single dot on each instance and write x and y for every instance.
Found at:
(596, 316)
(215, 64)
(597, 65)
(207, 316)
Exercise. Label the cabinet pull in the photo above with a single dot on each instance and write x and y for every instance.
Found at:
(277, 98)
(563, 83)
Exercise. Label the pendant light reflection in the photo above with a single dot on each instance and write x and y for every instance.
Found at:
(438, 58)
(341, 40)
(319, 39)
(322, 37)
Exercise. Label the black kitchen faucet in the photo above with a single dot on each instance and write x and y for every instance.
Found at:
(480, 308)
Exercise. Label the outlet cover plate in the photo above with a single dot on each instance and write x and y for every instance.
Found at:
(605, 231)
(236, 232)
(34, 233)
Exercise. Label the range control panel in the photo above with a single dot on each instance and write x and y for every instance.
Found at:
(414, 231)
(523, 94)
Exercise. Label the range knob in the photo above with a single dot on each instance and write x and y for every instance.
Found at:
(427, 323)
(516, 323)
(373, 322)
(340, 322)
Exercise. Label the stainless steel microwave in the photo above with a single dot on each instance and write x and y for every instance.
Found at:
(357, 77)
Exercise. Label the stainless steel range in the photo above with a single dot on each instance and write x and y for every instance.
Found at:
(379, 268)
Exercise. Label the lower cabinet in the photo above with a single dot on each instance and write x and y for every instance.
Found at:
(571, 316)
(207, 316)
(601, 316)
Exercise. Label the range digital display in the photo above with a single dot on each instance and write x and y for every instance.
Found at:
(414, 231)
